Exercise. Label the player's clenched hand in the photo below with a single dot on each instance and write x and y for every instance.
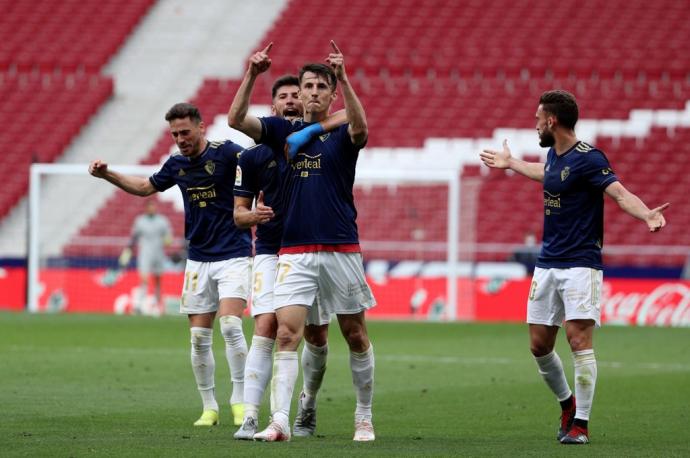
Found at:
(497, 159)
(259, 62)
(655, 220)
(262, 212)
(98, 168)
(336, 61)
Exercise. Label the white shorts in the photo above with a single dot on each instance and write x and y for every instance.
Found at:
(205, 283)
(150, 263)
(263, 279)
(326, 282)
(564, 294)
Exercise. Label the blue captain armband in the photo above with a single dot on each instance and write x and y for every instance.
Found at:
(297, 140)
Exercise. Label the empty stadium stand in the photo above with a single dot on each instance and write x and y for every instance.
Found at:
(462, 69)
(50, 81)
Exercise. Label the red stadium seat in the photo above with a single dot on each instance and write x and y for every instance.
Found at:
(462, 69)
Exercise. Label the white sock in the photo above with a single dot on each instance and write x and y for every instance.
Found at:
(362, 367)
(235, 353)
(585, 381)
(313, 369)
(285, 369)
(257, 373)
(551, 369)
(203, 366)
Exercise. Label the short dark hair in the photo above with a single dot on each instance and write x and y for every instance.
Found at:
(183, 110)
(285, 80)
(561, 104)
(320, 70)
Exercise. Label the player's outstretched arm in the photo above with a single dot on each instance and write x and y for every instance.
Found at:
(139, 186)
(634, 206)
(245, 217)
(238, 118)
(358, 128)
(297, 140)
(504, 160)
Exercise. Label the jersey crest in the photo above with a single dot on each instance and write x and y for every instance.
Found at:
(210, 167)
(565, 173)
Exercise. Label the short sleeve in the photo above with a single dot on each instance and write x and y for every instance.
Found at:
(164, 178)
(274, 131)
(245, 176)
(346, 141)
(598, 171)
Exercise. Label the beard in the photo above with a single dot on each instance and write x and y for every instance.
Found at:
(546, 139)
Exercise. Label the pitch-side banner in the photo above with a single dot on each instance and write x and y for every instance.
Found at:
(624, 302)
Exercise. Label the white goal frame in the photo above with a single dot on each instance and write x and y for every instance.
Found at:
(364, 176)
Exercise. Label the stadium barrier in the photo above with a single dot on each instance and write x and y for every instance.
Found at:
(624, 302)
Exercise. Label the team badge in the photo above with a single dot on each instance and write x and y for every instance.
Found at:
(181, 173)
(324, 137)
(238, 176)
(565, 172)
(210, 167)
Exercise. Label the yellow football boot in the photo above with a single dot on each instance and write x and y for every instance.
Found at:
(207, 418)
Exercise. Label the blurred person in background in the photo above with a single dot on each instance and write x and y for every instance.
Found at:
(528, 253)
(151, 233)
(568, 276)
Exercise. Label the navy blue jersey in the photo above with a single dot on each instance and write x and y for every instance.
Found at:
(261, 168)
(206, 185)
(320, 208)
(574, 186)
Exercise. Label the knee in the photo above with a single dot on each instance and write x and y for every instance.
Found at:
(287, 339)
(540, 348)
(316, 335)
(265, 326)
(357, 339)
(579, 343)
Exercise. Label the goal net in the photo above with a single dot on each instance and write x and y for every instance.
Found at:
(408, 221)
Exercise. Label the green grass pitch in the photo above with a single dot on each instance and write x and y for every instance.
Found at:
(94, 385)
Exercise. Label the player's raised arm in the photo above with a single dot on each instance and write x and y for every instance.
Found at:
(246, 217)
(634, 206)
(504, 160)
(238, 118)
(356, 117)
(139, 186)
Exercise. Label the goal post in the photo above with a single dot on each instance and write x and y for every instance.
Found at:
(52, 188)
(441, 185)
(408, 221)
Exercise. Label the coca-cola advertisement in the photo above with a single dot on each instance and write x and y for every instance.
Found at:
(646, 303)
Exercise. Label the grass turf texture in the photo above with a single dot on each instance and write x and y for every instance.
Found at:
(94, 385)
